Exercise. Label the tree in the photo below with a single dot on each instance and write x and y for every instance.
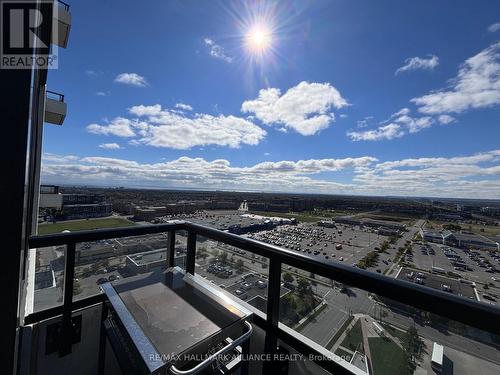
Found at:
(77, 289)
(240, 265)
(303, 286)
(413, 345)
(223, 257)
(287, 277)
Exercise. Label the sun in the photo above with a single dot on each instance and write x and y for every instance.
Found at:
(259, 38)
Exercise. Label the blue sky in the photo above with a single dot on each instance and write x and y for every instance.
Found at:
(350, 97)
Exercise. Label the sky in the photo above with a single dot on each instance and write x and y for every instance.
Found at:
(387, 98)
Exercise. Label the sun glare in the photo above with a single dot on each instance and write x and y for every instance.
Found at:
(258, 39)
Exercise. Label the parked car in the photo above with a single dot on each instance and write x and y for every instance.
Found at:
(246, 286)
(445, 288)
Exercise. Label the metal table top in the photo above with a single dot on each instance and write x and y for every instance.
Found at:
(169, 313)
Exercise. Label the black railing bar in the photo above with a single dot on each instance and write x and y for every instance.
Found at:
(69, 276)
(171, 249)
(273, 292)
(101, 234)
(191, 252)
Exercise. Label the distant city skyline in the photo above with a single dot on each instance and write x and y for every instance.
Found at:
(352, 98)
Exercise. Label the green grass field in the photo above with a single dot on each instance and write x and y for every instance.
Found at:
(387, 357)
(395, 332)
(78, 225)
(354, 338)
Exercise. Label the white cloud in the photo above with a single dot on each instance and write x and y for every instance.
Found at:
(102, 93)
(477, 85)
(121, 127)
(414, 125)
(93, 73)
(494, 28)
(401, 112)
(217, 51)
(132, 79)
(305, 108)
(397, 125)
(446, 119)
(184, 107)
(110, 146)
(365, 122)
(474, 176)
(146, 110)
(159, 127)
(389, 131)
(460, 176)
(198, 172)
(55, 158)
(415, 63)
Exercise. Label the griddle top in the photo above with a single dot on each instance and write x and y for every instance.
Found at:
(174, 311)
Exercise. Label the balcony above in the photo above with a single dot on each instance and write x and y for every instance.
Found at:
(55, 108)
(61, 24)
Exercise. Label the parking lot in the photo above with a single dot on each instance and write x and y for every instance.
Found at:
(438, 282)
(478, 266)
(347, 244)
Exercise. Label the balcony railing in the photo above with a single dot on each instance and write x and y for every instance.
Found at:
(55, 96)
(63, 5)
(478, 315)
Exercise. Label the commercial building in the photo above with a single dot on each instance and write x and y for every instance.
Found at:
(150, 213)
(149, 261)
(72, 206)
(367, 222)
(459, 239)
(431, 236)
(86, 211)
(470, 240)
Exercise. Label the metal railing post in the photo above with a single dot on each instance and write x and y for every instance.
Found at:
(66, 324)
(191, 251)
(171, 249)
(273, 303)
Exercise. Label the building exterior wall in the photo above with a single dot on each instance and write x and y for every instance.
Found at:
(85, 211)
(51, 201)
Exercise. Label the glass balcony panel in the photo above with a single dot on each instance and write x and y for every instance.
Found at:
(241, 273)
(48, 278)
(108, 260)
(370, 330)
